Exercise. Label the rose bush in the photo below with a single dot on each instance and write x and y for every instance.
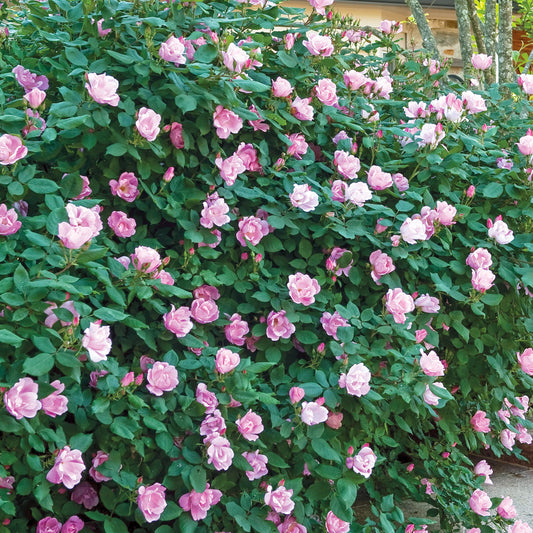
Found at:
(253, 264)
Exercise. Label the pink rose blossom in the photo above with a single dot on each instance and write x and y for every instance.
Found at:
(9, 223)
(390, 26)
(250, 426)
(176, 135)
(318, 45)
(236, 331)
(21, 399)
(326, 92)
(482, 468)
(334, 420)
(213, 425)
(67, 468)
(420, 335)
(331, 262)
(102, 88)
(151, 501)
(415, 110)
(230, 168)
(235, 58)
(28, 80)
(99, 27)
(354, 80)
(7, 482)
(500, 232)
(331, 322)
(199, 503)
(73, 525)
(445, 213)
(474, 103)
(481, 61)
(427, 303)
(214, 212)
(525, 144)
(296, 394)
(506, 509)
(525, 359)
(122, 225)
(429, 397)
(85, 190)
(281, 88)
(480, 503)
(304, 198)
(347, 164)
(480, 422)
(479, 258)
(482, 279)
(290, 525)
(11, 149)
(413, 230)
(431, 134)
(398, 303)
(204, 311)
(162, 377)
(377, 179)
(125, 187)
(356, 381)
(251, 230)
(302, 288)
(48, 525)
(35, 97)
(279, 500)
(226, 360)
(319, 6)
(338, 190)
(526, 82)
(279, 326)
(302, 109)
(313, 413)
(96, 341)
(363, 463)
(83, 225)
(206, 398)
(358, 193)
(100, 458)
(178, 321)
(519, 526)
(248, 155)
(335, 524)
(430, 364)
(55, 404)
(147, 123)
(173, 50)
(381, 265)
(226, 122)
(258, 462)
(146, 259)
(219, 453)
(85, 495)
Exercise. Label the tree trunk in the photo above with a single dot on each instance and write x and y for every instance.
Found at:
(428, 40)
(505, 43)
(465, 39)
(476, 27)
(490, 38)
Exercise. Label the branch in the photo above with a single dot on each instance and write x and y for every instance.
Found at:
(428, 39)
(476, 27)
(465, 39)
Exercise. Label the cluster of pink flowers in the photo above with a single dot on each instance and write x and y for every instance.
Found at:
(499, 231)
(480, 261)
(51, 524)
(84, 224)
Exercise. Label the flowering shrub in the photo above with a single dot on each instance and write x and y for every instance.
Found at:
(251, 267)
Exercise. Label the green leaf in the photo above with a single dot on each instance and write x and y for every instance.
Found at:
(185, 102)
(205, 53)
(39, 365)
(73, 122)
(492, 299)
(110, 315)
(116, 149)
(115, 525)
(286, 59)
(306, 337)
(8, 337)
(124, 427)
(493, 190)
(76, 57)
(347, 491)
(122, 58)
(42, 185)
(171, 512)
(198, 478)
(324, 450)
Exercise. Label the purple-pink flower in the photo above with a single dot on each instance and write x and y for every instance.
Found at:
(318, 45)
(123, 226)
(173, 50)
(251, 230)
(258, 462)
(151, 501)
(147, 123)
(480, 503)
(398, 303)
(313, 413)
(102, 88)
(96, 341)
(226, 122)
(335, 524)
(280, 500)
(302, 288)
(162, 377)
(126, 187)
(21, 399)
(303, 197)
(67, 468)
(226, 361)
(9, 222)
(250, 425)
(199, 503)
(11, 149)
(356, 381)
(55, 404)
(219, 453)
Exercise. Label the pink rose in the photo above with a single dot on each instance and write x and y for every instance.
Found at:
(258, 462)
(474, 103)
(173, 50)
(251, 230)
(28, 80)
(298, 147)
(206, 398)
(377, 179)
(302, 288)
(85, 495)
(7, 482)
(48, 525)
(67, 468)
(304, 198)
(178, 321)
(236, 331)
(525, 144)
(55, 404)
(427, 303)
(430, 134)
(331, 322)
(125, 187)
(214, 212)
(334, 420)
(480, 422)
(347, 164)
(354, 80)
(248, 155)
(279, 500)
(313, 413)
(11, 149)
(356, 382)
(482, 468)
(326, 92)
(35, 97)
(290, 525)
(390, 26)
(146, 259)
(430, 364)
(331, 262)
(338, 190)
(481, 61)
(519, 526)
(358, 193)
(250, 426)
(151, 501)
(213, 425)
(226, 361)
(506, 509)
(122, 225)
(480, 503)
(445, 213)
(199, 503)
(318, 45)
(482, 279)
(525, 360)
(296, 394)
(235, 58)
(500, 232)
(9, 223)
(100, 458)
(83, 225)
(207, 292)
(21, 399)
(319, 6)
(102, 88)
(176, 135)
(413, 230)
(336, 525)
(230, 168)
(219, 453)
(398, 303)
(302, 109)
(96, 341)
(204, 311)
(73, 525)
(226, 122)
(479, 258)
(363, 463)
(381, 265)
(162, 377)
(147, 123)
(86, 189)
(281, 88)
(99, 26)
(429, 397)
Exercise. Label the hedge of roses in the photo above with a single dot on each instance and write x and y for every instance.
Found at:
(256, 265)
